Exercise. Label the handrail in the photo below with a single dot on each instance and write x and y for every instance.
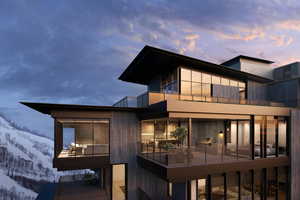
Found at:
(155, 97)
(211, 153)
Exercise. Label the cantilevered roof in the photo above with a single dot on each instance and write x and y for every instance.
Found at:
(46, 108)
(237, 59)
(152, 61)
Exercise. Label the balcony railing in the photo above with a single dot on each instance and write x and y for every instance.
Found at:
(202, 154)
(149, 98)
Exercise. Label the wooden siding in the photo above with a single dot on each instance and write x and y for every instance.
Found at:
(295, 149)
(155, 187)
(124, 137)
(286, 92)
(256, 91)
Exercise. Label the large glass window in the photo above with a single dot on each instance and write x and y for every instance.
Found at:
(169, 82)
(196, 76)
(206, 90)
(282, 130)
(196, 89)
(238, 139)
(198, 83)
(267, 130)
(258, 136)
(84, 137)
(186, 74)
(271, 137)
(244, 139)
(186, 88)
(202, 189)
(271, 183)
(231, 139)
(258, 184)
(282, 183)
(232, 180)
(246, 185)
(217, 187)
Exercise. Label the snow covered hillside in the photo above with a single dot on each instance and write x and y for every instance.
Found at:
(25, 162)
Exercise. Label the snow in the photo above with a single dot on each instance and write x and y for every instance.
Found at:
(8, 183)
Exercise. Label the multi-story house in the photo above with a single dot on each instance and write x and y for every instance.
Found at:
(200, 131)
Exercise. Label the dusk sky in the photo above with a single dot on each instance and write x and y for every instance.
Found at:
(74, 51)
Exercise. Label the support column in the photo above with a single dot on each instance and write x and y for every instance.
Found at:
(190, 132)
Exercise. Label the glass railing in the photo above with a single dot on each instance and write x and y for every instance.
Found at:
(149, 98)
(84, 150)
(202, 154)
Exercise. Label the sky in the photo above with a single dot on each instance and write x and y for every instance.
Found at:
(73, 51)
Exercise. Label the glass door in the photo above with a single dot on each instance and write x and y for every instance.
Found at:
(119, 185)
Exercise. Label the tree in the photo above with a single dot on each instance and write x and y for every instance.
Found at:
(180, 134)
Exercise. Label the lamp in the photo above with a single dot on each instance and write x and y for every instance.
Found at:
(221, 134)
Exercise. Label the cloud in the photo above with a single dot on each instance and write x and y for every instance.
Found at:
(281, 40)
(243, 34)
(293, 24)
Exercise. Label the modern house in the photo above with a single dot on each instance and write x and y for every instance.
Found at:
(200, 131)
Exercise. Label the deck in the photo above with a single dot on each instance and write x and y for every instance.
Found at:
(79, 190)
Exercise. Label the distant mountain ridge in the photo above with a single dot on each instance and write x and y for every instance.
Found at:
(25, 161)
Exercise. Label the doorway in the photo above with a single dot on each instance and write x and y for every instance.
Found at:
(119, 182)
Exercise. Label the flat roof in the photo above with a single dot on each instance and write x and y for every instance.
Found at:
(152, 61)
(46, 108)
(237, 58)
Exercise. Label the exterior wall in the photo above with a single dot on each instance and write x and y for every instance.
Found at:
(294, 154)
(124, 137)
(256, 91)
(257, 68)
(287, 92)
(287, 72)
(155, 187)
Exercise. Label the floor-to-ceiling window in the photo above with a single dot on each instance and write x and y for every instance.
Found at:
(271, 189)
(244, 139)
(84, 137)
(258, 136)
(246, 185)
(282, 136)
(238, 139)
(283, 183)
(258, 184)
(270, 136)
(217, 187)
(270, 145)
(232, 181)
(199, 83)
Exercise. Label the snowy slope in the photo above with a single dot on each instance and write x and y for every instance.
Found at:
(25, 161)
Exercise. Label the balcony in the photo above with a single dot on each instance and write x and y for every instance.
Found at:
(203, 154)
(149, 98)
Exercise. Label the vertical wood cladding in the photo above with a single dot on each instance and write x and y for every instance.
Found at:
(155, 187)
(295, 149)
(124, 137)
(256, 91)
